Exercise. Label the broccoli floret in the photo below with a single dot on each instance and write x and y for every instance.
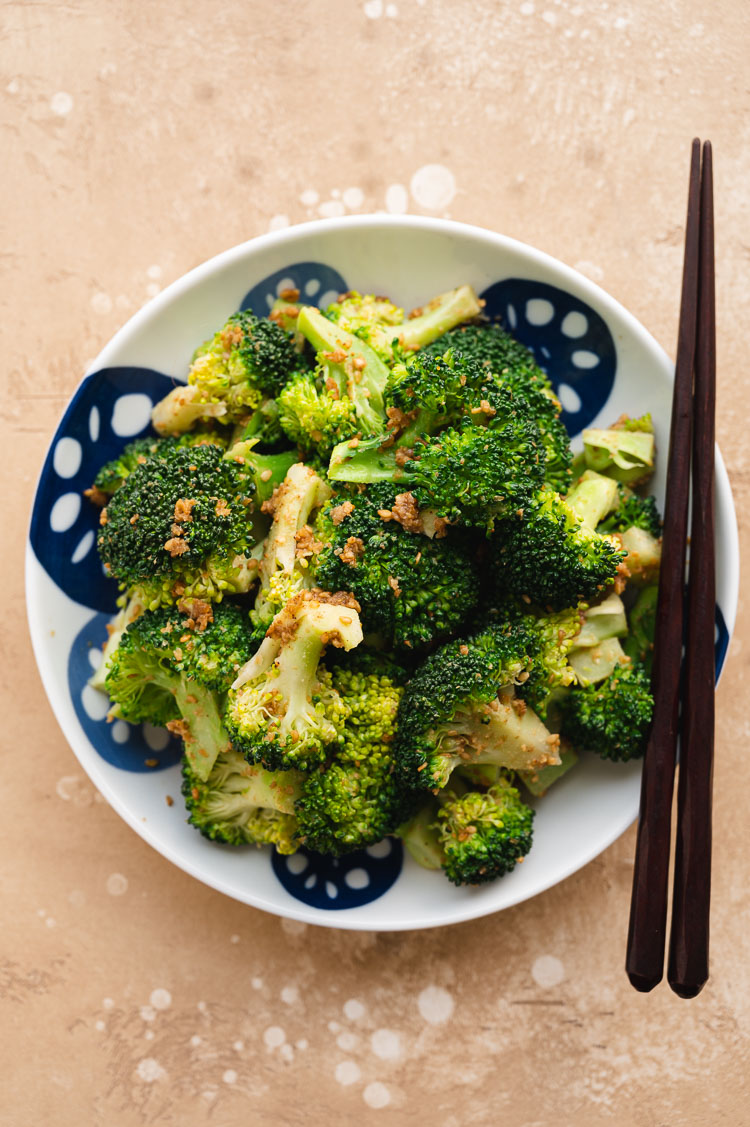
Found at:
(231, 374)
(381, 324)
(547, 640)
(282, 709)
(284, 567)
(625, 452)
(172, 667)
(357, 798)
(460, 708)
(130, 608)
(315, 414)
(267, 471)
(113, 474)
(413, 590)
(180, 526)
(347, 366)
(550, 553)
(511, 364)
(632, 511)
(263, 425)
(239, 804)
(483, 834)
(612, 717)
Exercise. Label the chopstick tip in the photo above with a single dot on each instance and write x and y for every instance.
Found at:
(687, 989)
(642, 982)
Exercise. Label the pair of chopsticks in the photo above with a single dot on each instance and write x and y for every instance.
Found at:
(693, 410)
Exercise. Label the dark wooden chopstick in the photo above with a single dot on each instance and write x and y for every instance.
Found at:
(648, 907)
(688, 942)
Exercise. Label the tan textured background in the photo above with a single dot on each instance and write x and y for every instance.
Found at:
(140, 138)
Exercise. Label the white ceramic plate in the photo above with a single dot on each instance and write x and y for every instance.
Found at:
(603, 363)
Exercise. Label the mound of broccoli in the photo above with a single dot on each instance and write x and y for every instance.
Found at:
(611, 717)
(282, 709)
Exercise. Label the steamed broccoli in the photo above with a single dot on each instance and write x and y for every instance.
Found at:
(550, 552)
(460, 708)
(111, 476)
(231, 374)
(511, 364)
(612, 717)
(632, 511)
(313, 413)
(625, 452)
(180, 525)
(357, 797)
(639, 643)
(240, 804)
(412, 589)
(172, 667)
(284, 566)
(282, 709)
(381, 324)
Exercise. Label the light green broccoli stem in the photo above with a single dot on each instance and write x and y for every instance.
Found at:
(624, 453)
(282, 574)
(595, 663)
(268, 470)
(117, 627)
(420, 837)
(539, 782)
(443, 313)
(202, 728)
(592, 497)
(355, 368)
(182, 408)
(605, 620)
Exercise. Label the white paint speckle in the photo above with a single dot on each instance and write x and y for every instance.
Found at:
(302, 1044)
(41, 912)
(376, 1095)
(278, 222)
(72, 788)
(309, 197)
(527, 9)
(100, 1026)
(148, 1035)
(67, 457)
(108, 1004)
(550, 18)
(101, 303)
(196, 1040)
(435, 1005)
(256, 983)
(238, 1046)
(13, 86)
(77, 898)
(628, 117)
(353, 1009)
(331, 209)
(353, 198)
(208, 1095)
(334, 1027)
(64, 512)
(154, 272)
(116, 884)
(347, 1072)
(391, 11)
(294, 927)
(386, 1044)
(61, 104)
(289, 995)
(160, 999)
(230, 1076)
(234, 938)
(50, 922)
(148, 1013)
(201, 1007)
(433, 186)
(396, 199)
(547, 971)
(152, 289)
(347, 1041)
(274, 1037)
(373, 9)
(286, 1052)
(150, 1070)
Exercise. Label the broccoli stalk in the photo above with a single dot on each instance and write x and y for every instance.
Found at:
(284, 568)
(173, 671)
(282, 709)
(241, 804)
(625, 452)
(128, 612)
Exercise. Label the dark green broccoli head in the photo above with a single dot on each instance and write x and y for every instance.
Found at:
(178, 523)
(247, 360)
(483, 834)
(612, 717)
(239, 804)
(632, 511)
(451, 713)
(412, 589)
(496, 350)
(546, 554)
(111, 476)
(357, 798)
(315, 415)
(436, 385)
(472, 474)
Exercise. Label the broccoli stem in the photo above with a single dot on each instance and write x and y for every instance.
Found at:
(443, 313)
(202, 728)
(355, 368)
(178, 411)
(117, 628)
(420, 836)
(592, 497)
(268, 470)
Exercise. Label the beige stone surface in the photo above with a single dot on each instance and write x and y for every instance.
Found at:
(138, 139)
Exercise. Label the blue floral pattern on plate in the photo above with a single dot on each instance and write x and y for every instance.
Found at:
(112, 406)
(569, 339)
(334, 883)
